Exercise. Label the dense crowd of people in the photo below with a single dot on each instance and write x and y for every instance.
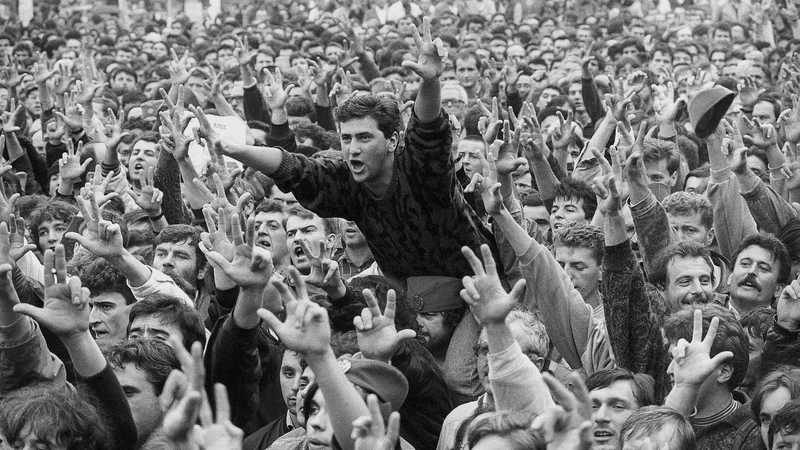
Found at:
(480, 224)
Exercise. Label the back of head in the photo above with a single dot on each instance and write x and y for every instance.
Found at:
(171, 310)
(651, 421)
(56, 416)
(730, 336)
(642, 385)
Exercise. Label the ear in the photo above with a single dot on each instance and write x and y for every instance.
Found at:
(673, 179)
(724, 373)
(330, 241)
(394, 141)
(710, 237)
(201, 273)
(778, 290)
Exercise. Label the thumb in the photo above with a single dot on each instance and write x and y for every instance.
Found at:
(413, 66)
(796, 207)
(721, 358)
(86, 163)
(272, 321)
(85, 243)
(518, 291)
(37, 314)
(402, 335)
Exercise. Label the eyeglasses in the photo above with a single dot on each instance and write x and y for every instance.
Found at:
(452, 102)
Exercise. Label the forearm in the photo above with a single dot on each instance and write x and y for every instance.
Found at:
(87, 358)
(264, 159)
(136, 272)
(195, 197)
(716, 159)
(545, 178)
(516, 236)
(499, 337)
(249, 301)
(602, 134)
(614, 229)
(248, 76)
(344, 400)
(223, 107)
(682, 398)
(13, 147)
(429, 100)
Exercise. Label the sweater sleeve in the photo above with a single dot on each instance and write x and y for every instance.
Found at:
(427, 157)
(167, 177)
(769, 210)
(325, 117)
(652, 228)
(781, 347)
(107, 393)
(592, 101)
(631, 318)
(566, 316)
(282, 136)
(232, 359)
(732, 219)
(255, 108)
(516, 383)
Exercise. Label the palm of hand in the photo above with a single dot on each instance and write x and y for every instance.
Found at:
(72, 169)
(277, 97)
(104, 248)
(217, 437)
(494, 302)
(792, 131)
(506, 162)
(748, 95)
(431, 64)
(381, 340)
(562, 138)
(64, 317)
(145, 201)
(313, 338)
(241, 272)
(222, 245)
(694, 367)
(794, 181)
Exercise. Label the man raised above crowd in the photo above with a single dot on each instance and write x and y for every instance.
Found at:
(404, 197)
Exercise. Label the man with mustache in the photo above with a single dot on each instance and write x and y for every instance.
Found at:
(760, 271)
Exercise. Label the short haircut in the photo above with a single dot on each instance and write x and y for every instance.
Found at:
(383, 110)
(56, 415)
(269, 206)
(329, 224)
(776, 248)
(648, 421)
(656, 151)
(179, 233)
(583, 235)
(45, 212)
(663, 49)
(787, 421)
(512, 426)
(758, 322)
(730, 336)
(688, 203)
(175, 311)
(155, 358)
(465, 55)
(578, 190)
(124, 69)
(683, 249)
(642, 385)
(535, 331)
(100, 278)
(783, 377)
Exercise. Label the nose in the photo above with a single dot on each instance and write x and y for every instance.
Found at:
(168, 262)
(601, 415)
(94, 318)
(696, 287)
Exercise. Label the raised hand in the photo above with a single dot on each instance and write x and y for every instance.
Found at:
(243, 52)
(306, 329)
(150, 197)
(274, 92)
(218, 199)
(634, 166)
(789, 306)
(42, 70)
(12, 241)
(66, 303)
(178, 67)
(490, 123)
(324, 271)
(99, 186)
(222, 434)
(175, 142)
(432, 54)
(190, 402)
(566, 425)
(251, 265)
(9, 118)
(206, 132)
(618, 100)
(691, 361)
(762, 135)
(607, 186)
(104, 239)
(377, 334)
(69, 166)
(484, 293)
(7, 204)
(749, 91)
(84, 92)
(217, 239)
(665, 105)
(74, 113)
(505, 154)
(562, 135)
(114, 129)
(369, 431)
(789, 121)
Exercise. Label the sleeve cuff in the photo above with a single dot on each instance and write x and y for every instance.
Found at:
(288, 165)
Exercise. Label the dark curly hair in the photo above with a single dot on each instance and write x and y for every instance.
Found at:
(384, 111)
(154, 357)
(179, 233)
(51, 210)
(57, 416)
(171, 310)
(100, 277)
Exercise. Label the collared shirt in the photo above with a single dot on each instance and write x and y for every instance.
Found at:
(348, 270)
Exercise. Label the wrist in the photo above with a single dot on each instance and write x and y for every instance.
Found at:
(75, 338)
(155, 217)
